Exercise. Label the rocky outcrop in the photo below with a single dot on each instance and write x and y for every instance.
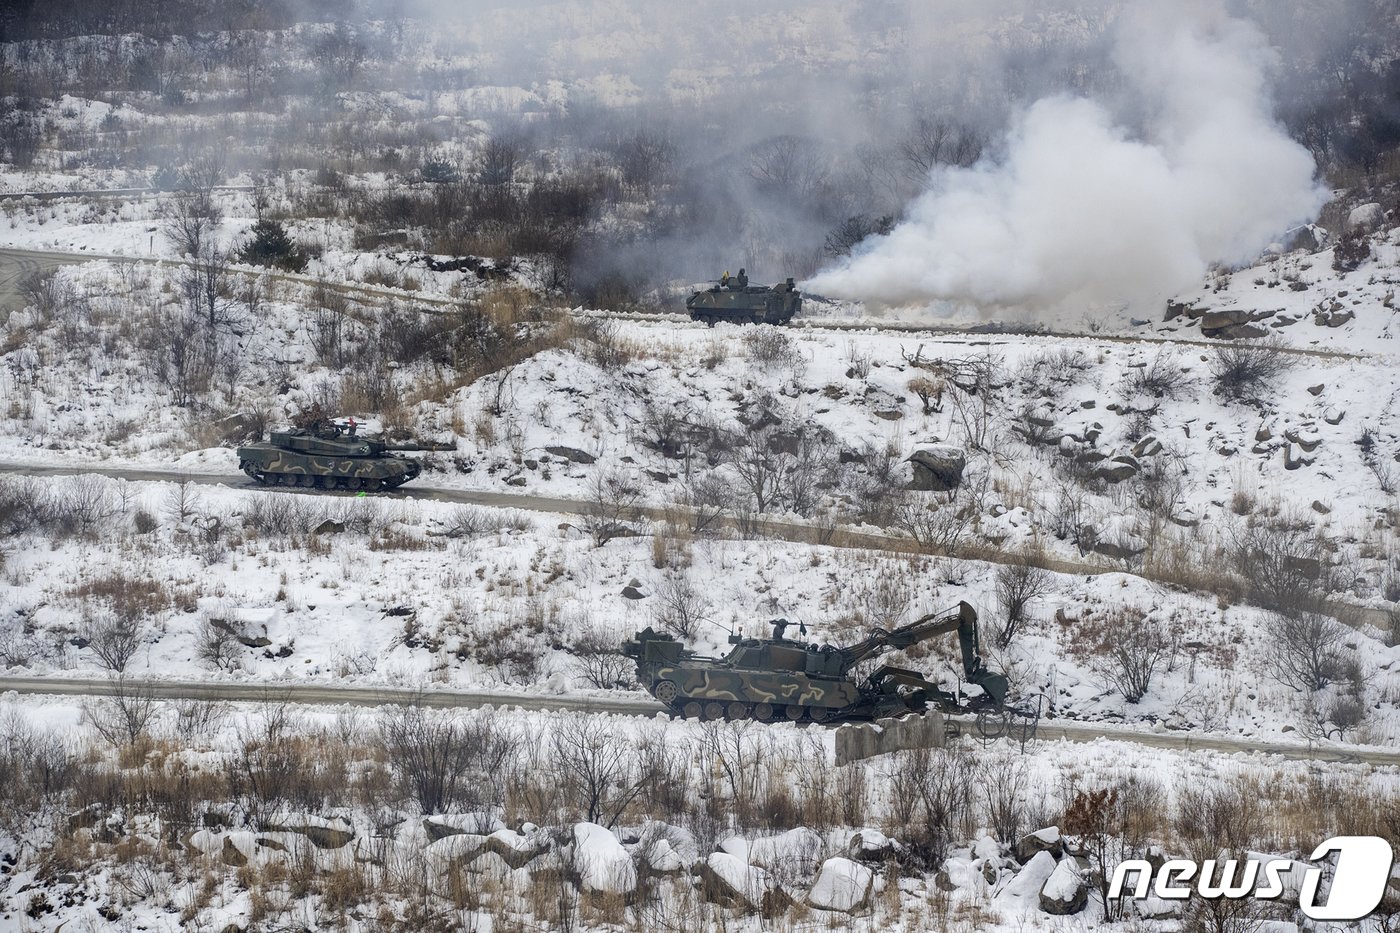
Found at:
(572, 454)
(937, 467)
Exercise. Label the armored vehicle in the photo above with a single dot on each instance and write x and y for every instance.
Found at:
(328, 456)
(729, 300)
(775, 679)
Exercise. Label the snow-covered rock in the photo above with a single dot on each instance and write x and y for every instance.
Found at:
(1022, 893)
(937, 467)
(1042, 840)
(602, 863)
(1366, 217)
(726, 879)
(1066, 891)
(841, 885)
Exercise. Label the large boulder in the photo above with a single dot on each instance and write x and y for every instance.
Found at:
(603, 864)
(1366, 217)
(1066, 891)
(1042, 840)
(938, 467)
(732, 882)
(572, 454)
(1023, 891)
(841, 885)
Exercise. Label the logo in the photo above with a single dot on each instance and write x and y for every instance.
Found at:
(1358, 883)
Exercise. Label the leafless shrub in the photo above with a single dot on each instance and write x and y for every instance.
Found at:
(123, 719)
(680, 605)
(444, 762)
(1225, 814)
(1161, 377)
(114, 638)
(598, 653)
(770, 346)
(198, 720)
(82, 506)
(35, 767)
(1307, 651)
(937, 527)
(1280, 560)
(598, 766)
(933, 790)
(707, 496)
(1246, 371)
(612, 498)
(929, 390)
(217, 644)
(182, 501)
(1126, 647)
(188, 220)
(1017, 584)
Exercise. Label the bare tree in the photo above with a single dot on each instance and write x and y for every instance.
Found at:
(204, 283)
(936, 141)
(762, 470)
(612, 496)
(1280, 560)
(217, 645)
(1307, 651)
(499, 158)
(599, 767)
(123, 719)
(1135, 648)
(188, 220)
(598, 653)
(1017, 584)
(115, 638)
(681, 605)
(443, 762)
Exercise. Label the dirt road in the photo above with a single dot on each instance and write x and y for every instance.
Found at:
(638, 705)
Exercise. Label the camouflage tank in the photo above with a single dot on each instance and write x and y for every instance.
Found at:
(326, 456)
(739, 303)
(780, 679)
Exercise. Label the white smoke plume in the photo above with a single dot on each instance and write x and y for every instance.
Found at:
(1082, 208)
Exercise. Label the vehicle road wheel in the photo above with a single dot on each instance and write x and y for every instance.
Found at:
(736, 711)
(714, 710)
(665, 691)
(691, 710)
(764, 712)
(354, 483)
(373, 485)
(794, 713)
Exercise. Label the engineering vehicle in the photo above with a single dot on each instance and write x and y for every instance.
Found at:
(327, 456)
(775, 679)
(744, 304)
